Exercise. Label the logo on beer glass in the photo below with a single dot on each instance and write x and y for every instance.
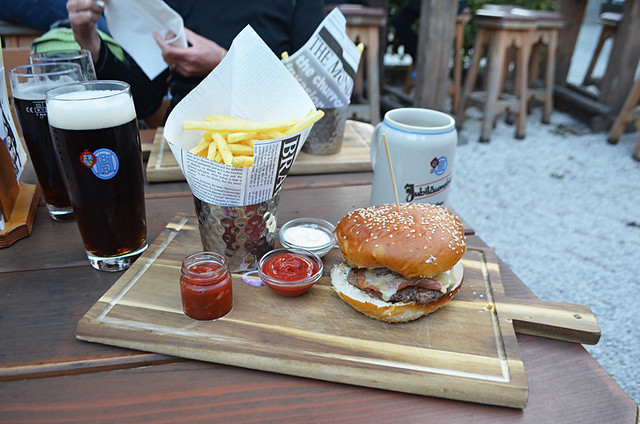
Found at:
(439, 165)
(103, 163)
(87, 158)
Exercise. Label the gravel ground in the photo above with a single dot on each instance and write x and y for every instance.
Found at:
(562, 209)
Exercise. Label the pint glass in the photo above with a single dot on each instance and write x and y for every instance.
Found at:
(81, 57)
(95, 133)
(29, 85)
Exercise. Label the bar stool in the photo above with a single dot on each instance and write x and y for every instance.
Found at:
(630, 113)
(363, 26)
(499, 30)
(609, 22)
(548, 25)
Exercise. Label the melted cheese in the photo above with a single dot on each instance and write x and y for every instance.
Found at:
(387, 285)
(446, 279)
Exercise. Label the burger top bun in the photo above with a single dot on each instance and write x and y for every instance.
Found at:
(416, 240)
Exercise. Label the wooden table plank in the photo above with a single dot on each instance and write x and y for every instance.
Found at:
(197, 391)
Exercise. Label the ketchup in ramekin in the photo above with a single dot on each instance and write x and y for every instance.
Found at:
(205, 286)
(290, 272)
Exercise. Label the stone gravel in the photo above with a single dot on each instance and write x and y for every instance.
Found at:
(562, 209)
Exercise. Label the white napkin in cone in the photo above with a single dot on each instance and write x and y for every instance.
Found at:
(250, 83)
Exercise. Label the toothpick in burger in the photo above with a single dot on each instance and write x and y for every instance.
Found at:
(402, 262)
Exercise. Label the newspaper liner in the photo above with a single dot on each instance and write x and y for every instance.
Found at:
(326, 65)
(250, 83)
(326, 68)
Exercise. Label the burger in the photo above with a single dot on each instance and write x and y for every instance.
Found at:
(402, 262)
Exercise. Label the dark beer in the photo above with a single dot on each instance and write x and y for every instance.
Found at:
(32, 116)
(98, 146)
(29, 85)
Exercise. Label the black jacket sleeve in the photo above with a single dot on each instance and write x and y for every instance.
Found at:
(147, 94)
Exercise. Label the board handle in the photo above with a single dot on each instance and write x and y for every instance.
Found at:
(561, 321)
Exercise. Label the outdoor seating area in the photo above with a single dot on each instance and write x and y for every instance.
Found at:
(187, 264)
(511, 35)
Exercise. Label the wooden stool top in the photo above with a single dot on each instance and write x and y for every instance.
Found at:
(513, 17)
(501, 17)
(610, 19)
(545, 19)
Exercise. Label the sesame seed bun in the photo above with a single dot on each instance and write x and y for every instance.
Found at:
(417, 240)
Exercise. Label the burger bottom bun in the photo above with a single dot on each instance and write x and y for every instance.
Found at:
(380, 310)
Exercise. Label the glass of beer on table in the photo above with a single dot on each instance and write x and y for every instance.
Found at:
(29, 85)
(95, 132)
(81, 57)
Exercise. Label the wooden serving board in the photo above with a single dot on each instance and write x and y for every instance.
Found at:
(466, 350)
(353, 157)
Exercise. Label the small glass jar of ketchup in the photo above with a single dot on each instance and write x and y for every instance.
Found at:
(205, 286)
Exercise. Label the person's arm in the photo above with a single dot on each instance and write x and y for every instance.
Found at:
(147, 94)
(83, 15)
(198, 59)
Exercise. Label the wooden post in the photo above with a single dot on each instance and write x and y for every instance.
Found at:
(623, 61)
(435, 44)
(572, 12)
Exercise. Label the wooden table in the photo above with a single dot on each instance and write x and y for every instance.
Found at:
(46, 374)
(15, 35)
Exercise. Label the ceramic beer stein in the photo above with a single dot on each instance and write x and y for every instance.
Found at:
(422, 147)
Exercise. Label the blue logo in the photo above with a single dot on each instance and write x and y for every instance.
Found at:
(106, 165)
(439, 165)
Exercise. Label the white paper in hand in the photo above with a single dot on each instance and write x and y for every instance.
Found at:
(132, 23)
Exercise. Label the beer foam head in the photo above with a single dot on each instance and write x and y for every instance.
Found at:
(36, 89)
(88, 110)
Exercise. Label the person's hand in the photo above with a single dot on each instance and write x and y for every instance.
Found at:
(198, 59)
(83, 15)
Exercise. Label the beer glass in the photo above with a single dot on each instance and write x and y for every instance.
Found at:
(29, 85)
(95, 132)
(80, 56)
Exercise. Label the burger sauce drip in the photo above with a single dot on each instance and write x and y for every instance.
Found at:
(290, 267)
(205, 286)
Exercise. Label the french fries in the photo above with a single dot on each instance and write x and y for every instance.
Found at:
(230, 140)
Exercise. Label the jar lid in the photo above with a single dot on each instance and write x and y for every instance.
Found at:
(313, 234)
